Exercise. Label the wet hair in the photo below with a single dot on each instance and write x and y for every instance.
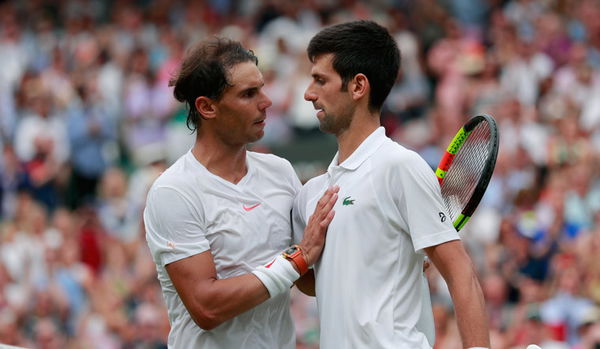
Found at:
(204, 72)
(360, 47)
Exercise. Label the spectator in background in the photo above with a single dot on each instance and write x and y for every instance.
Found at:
(408, 98)
(526, 69)
(91, 132)
(118, 215)
(563, 311)
(147, 109)
(41, 143)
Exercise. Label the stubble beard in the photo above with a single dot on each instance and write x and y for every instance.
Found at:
(336, 124)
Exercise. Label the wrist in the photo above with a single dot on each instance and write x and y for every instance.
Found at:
(297, 257)
(305, 253)
(277, 276)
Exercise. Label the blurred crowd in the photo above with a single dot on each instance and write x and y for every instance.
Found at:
(88, 121)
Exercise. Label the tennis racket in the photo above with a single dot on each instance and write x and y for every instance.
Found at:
(466, 168)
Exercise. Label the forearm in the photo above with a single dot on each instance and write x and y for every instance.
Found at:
(470, 312)
(306, 283)
(211, 301)
(218, 300)
(456, 267)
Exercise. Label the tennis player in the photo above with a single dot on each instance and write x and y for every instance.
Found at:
(218, 220)
(390, 213)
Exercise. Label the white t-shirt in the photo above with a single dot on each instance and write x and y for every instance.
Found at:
(369, 280)
(190, 210)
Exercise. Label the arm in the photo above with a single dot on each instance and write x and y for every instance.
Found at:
(455, 266)
(306, 283)
(211, 301)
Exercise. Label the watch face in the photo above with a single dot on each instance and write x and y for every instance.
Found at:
(291, 250)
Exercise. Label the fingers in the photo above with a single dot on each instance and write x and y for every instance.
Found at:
(325, 222)
(322, 215)
(327, 196)
(328, 199)
(328, 208)
(316, 229)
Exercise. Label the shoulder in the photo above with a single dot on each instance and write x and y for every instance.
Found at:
(179, 177)
(269, 161)
(310, 189)
(394, 156)
(274, 168)
(177, 194)
(172, 176)
(315, 184)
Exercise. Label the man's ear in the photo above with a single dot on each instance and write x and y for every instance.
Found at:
(206, 107)
(359, 86)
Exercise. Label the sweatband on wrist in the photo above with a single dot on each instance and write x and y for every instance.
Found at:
(277, 276)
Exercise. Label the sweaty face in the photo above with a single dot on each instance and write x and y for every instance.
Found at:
(242, 108)
(333, 103)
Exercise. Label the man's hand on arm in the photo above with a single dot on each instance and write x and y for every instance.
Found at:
(455, 266)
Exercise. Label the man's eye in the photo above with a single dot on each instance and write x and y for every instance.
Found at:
(250, 93)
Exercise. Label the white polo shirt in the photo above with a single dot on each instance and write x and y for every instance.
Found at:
(189, 210)
(369, 280)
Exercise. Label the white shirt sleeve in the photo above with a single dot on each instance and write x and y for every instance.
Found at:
(421, 204)
(174, 226)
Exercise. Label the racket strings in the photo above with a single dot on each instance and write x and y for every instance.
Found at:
(466, 170)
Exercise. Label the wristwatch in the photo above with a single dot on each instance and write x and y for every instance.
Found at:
(294, 254)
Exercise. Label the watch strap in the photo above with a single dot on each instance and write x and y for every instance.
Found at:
(297, 257)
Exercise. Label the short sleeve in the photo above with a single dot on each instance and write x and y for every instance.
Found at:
(295, 181)
(422, 206)
(175, 226)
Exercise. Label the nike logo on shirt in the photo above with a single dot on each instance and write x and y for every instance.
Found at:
(270, 264)
(250, 208)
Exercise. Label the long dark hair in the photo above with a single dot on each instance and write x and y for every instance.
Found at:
(204, 72)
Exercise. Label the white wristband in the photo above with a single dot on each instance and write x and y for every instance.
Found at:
(277, 276)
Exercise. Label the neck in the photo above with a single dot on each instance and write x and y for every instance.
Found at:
(225, 161)
(351, 138)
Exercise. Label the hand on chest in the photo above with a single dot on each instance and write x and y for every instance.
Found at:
(356, 209)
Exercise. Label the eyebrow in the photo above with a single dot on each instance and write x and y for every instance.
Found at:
(250, 88)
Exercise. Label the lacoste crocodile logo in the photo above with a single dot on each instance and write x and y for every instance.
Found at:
(348, 201)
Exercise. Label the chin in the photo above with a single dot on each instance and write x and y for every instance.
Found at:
(257, 137)
(326, 128)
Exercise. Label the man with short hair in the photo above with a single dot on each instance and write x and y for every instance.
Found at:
(369, 280)
(218, 220)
